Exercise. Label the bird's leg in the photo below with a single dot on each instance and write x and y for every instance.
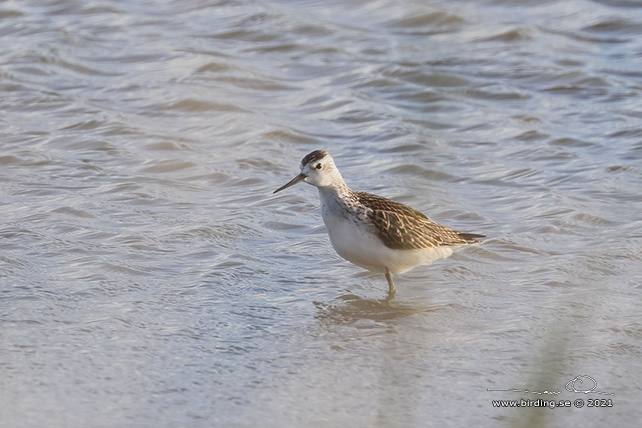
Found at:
(392, 290)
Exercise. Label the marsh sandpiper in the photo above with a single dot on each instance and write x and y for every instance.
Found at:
(373, 232)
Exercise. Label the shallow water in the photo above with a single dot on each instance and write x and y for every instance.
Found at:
(148, 276)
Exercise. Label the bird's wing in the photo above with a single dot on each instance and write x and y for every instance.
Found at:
(403, 228)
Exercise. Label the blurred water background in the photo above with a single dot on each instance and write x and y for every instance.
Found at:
(149, 278)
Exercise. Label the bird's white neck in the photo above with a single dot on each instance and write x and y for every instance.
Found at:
(338, 189)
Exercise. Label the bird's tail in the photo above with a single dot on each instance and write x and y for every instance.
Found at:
(471, 238)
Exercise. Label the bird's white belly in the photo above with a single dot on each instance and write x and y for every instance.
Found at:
(358, 243)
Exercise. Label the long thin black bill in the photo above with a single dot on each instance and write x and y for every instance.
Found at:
(292, 182)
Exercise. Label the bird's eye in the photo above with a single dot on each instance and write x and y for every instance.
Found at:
(319, 166)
